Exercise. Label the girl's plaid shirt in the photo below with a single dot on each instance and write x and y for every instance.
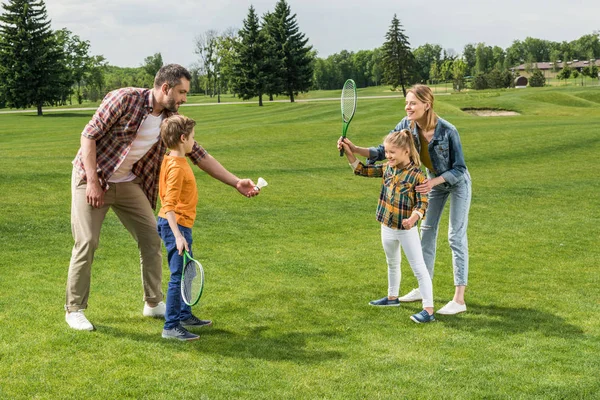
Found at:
(114, 126)
(398, 198)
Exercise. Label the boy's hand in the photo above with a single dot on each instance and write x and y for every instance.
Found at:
(408, 223)
(181, 244)
(246, 187)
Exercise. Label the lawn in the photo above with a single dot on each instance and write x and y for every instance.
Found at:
(289, 273)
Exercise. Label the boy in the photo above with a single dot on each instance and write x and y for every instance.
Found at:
(178, 196)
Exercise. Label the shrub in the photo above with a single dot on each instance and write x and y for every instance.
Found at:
(537, 78)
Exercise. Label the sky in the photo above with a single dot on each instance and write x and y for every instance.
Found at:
(125, 32)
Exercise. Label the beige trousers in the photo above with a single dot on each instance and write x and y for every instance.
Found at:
(132, 207)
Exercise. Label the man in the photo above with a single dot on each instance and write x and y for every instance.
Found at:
(118, 167)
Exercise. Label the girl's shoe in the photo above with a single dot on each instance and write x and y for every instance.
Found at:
(452, 308)
(422, 317)
(385, 302)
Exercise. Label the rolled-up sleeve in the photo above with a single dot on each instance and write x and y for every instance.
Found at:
(111, 109)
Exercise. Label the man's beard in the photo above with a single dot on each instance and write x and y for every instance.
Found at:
(171, 105)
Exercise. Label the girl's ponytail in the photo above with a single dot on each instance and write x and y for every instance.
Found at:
(412, 149)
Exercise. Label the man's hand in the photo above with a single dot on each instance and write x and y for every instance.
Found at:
(246, 187)
(94, 195)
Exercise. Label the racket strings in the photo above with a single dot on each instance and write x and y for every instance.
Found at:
(190, 285)
(348, 100)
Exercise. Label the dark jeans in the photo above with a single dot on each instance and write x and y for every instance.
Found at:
(177, 310)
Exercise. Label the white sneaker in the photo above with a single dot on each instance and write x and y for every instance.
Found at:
(452, 308)
(156, 312)
(413, 295)
(77, 320)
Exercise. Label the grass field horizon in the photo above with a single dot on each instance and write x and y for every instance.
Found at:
(289, 273)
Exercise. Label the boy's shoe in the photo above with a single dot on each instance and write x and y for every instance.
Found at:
(452, 308)
(77, 320)
(385, 302)
(194, 322)
(179, 333)
(155, 312)
(422, 317)
(413, 295)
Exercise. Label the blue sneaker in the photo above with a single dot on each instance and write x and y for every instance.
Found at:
(194, 322)
(385, 302)
(422, 317)
(179, 333)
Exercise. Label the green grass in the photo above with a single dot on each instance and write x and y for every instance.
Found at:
(289, 273)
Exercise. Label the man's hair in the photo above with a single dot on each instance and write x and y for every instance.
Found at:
(173, 127)
(171, 74)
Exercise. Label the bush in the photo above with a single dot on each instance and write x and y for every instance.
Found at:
(537, 78)
(479, 81)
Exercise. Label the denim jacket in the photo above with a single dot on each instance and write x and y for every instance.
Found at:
(445, 150)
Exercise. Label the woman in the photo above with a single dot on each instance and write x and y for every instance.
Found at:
(440, 149)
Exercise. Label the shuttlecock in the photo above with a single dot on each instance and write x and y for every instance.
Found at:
(261, 184)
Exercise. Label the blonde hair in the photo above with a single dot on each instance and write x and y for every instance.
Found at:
(424, 95)
(404, 140)
(173, 127)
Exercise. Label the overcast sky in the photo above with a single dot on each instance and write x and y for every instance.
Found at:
(127, 31)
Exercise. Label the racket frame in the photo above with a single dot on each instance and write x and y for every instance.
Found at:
(186, 259)
(345, 123)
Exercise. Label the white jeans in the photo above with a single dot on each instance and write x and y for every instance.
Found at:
(394, 239)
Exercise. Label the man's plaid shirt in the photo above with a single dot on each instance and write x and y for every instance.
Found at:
(114, 126)
(398, 198)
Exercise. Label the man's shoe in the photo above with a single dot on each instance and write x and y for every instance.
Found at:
(156, 312)
(452, 308)
(413, 295)
(77, 320)
(179, 333)
(423, 317)
(194, 322)
(385, 302)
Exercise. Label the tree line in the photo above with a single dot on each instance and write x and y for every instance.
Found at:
(269, 56)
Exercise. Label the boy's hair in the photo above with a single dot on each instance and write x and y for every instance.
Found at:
(173, 127)
(404, 139)
(171, 74)
(425, 95)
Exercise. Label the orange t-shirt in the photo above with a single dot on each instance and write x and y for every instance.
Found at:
(177, 190)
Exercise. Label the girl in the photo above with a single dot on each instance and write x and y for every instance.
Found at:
(440, 149)
(400, 207)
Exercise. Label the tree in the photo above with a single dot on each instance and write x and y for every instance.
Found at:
(470, 58)
(591, 71)
(425, 56)
(398, 60)
(459, 68)
(434, 73)
(537, 78)
(31, 72)
(564, 73)
(274, 55)
(297, 72)
(206, 48)
(81, 67)
(250, 68)
(152, 64)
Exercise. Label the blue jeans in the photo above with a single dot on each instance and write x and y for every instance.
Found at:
(177, 310)
(460, 202)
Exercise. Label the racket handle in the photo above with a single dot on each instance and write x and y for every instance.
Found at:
(342, 152)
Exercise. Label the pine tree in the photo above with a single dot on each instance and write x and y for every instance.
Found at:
(250, 71)
(398, 60)
(297, 72)
(31, 69)
(274, 57)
